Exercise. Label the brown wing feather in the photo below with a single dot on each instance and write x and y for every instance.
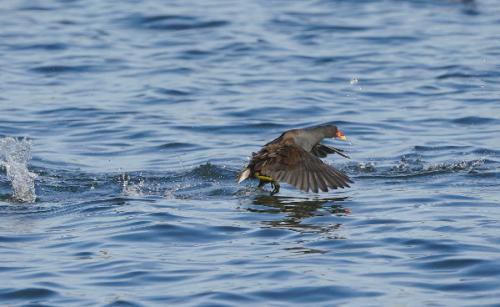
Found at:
(313, 185)
(294, 165)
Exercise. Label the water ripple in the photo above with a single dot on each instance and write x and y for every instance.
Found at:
(173, 22)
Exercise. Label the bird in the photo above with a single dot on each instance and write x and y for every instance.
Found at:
(294, 157)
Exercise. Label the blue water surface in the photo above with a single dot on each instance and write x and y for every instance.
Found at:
(123, 125)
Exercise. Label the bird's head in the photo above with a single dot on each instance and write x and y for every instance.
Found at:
(334, 132)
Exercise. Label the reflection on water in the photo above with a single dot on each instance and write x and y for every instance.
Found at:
(298, 207)
(296, 210)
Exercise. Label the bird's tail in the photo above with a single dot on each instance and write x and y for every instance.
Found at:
(244, 175)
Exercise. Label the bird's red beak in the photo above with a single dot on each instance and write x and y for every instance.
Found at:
(340, 135)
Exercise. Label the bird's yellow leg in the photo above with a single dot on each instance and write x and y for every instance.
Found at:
(263, 178)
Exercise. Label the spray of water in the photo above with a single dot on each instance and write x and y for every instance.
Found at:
(14, 157)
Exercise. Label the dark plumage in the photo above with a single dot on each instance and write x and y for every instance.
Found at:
(294, 157)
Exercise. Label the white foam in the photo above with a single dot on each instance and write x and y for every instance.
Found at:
(131, 189)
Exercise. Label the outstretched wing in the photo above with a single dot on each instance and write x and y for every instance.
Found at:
(294, 165)
(321, 150)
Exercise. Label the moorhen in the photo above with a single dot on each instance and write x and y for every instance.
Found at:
(294, 157)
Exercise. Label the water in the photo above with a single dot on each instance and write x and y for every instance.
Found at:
(124, 124)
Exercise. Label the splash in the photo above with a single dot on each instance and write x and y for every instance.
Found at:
(410, 167)
(14, 157)
(130, 188)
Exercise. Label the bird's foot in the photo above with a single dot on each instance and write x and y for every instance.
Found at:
(268, 179)
(262, 183)
(276, 187)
